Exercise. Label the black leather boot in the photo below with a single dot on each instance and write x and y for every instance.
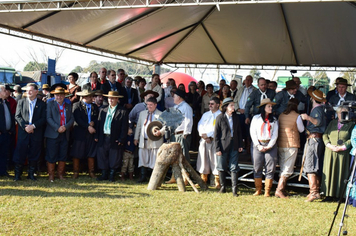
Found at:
(18, 172)
(104, 175)
(143, 175)
(112, 175)
(222, 176)
(31, 170)
(234, 184)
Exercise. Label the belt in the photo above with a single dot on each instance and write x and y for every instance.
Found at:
(315, 135)
(179, 132)
(264, 141)
(128, 151)
(107, 135)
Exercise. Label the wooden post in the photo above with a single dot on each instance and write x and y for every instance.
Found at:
(171, 155)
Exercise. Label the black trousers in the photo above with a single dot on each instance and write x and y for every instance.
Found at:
(57, 148)
(27, 147)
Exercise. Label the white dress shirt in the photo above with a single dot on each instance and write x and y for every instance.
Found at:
(207, 123)
(187, 123)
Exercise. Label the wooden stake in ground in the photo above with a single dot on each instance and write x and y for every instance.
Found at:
(170, 154)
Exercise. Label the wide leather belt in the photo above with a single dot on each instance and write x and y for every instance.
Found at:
(315, 135)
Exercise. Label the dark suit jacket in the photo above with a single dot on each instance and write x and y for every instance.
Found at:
(80, 113)
(88, 86)
(134, 96)
(54, 119)
(2, 118)
(105, 87)
(222, 133)
(38, 118)
(334, 100)
(119, 127)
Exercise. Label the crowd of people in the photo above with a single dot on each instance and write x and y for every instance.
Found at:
(105, 122)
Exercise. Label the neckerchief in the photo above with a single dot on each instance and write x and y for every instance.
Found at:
(268, 126)
(62, 113)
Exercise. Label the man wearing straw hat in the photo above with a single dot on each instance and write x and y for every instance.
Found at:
(31, 119)
(314, 147)
(111, 136)
(85, 120)
(59, 121)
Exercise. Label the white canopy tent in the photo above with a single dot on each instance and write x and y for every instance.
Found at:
(283, 33)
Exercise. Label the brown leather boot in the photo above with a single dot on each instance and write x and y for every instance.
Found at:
(314, 188)
(50, 170)
(258, 185)
(172, 180)
(76, 163)
(268, 187)
(217, 182)
(280, 191)
(131, 175)
(91, 167)
(61, 169)
(122, 176)
(204, 177)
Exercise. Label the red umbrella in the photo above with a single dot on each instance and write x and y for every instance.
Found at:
(179, 77)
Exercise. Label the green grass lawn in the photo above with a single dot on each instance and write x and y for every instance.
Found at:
(89, 207)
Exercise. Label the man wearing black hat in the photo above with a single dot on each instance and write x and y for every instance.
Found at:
(135, 112)
(10, 99)
(282, 98)
(341, 96)
(7, 127)
(182, 132)
(148, 145)
(31, 119)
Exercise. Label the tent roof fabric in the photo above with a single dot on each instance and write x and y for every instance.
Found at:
(286, 34)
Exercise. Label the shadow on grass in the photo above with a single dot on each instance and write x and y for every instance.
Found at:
(87, 188)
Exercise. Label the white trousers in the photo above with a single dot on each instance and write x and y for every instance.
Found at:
(147, 157)
(206, 162)
(287, 157)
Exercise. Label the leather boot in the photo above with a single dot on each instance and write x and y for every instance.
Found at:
(217, 182)
(280, 191)
(222, 177)
(314, 188)
(234, 184)
(18, 172)
(104, 175)
(204, 177)
(112, 175)
(50, 169)
(268, 187)
(31, 170)
(61, 169)
(91, 167)
(76, 163)
(131, 175)
(172, 180)
(143, 175)
(258, 186)
(122, 176)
